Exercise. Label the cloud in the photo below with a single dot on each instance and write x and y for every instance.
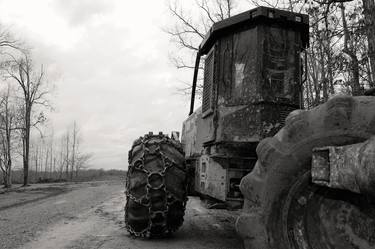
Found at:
(110, 67)
(82, 11)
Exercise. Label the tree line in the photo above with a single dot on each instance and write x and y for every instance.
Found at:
(58, 159)
(24, 104)
(341, 55)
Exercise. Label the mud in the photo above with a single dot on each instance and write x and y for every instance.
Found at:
(92, 217)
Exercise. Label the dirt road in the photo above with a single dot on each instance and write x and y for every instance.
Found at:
(90, 215)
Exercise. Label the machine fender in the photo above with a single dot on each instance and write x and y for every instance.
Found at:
(283, 170)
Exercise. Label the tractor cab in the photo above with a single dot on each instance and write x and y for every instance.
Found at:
(253, 75)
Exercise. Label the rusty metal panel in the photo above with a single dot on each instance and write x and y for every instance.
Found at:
(250, 123)
(245, 68)
(258, 82)
(219, 177)
(273, 117)
(197, 178)
(213, 178)
(281, 65)
(260, 64)
(238, 68)
(350, 167)
(190, 137)
(225, 54)
(239, 124)
(207, 129)
(196, 131)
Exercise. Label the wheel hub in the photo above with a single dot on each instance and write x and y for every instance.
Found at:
(323, 218)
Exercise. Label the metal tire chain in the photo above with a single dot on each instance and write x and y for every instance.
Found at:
(138, 164)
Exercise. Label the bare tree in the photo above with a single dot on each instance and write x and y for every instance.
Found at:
(74, 148)
(368, 7)
(46, 161)
(51, 157)
(341, 56)
(188, 31)
(78, 159)
(350, 50)
(67, 159)
(8, 123)
(33, 88)
(369, 17)
(82, 162)
(61, 157)
(36, 156)
(7, 40)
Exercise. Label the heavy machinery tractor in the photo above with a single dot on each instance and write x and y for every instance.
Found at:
(306, 178)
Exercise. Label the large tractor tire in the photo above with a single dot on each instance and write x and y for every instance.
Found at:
(283, 209)
(155, 187)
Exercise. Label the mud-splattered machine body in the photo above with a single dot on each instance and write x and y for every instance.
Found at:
(253, 74)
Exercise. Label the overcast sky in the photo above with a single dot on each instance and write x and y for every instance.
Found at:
(108, 60)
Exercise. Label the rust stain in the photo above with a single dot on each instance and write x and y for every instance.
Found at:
(350, 167)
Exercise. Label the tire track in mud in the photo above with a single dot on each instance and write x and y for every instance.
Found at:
(55, 192)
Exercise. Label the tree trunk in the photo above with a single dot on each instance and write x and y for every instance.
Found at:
(46, 164)
(9, 172)
(36, 162)
(4, 170)
(26, 147)
(369, 13)
(356, 87)
(354, 64)
(328, 54)
(5, 180)
(8, 151)
(54, 167)
(67, 156)
(51, 161)
(5, 173)
(26, 160)
(73, 150)
(9, 176)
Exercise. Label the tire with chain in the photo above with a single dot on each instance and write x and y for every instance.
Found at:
(283, 209)
(156, 187)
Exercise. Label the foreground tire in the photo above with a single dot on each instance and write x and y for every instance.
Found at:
(283, 209)
(155, 187)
